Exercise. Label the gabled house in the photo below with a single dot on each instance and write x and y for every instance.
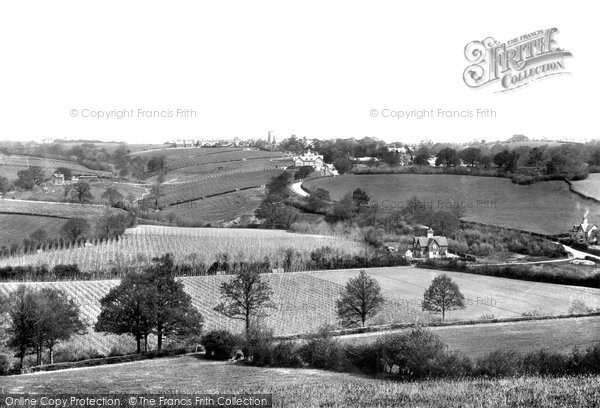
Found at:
(584, 233)
(57, 179)
(430, 246)
(309, 159)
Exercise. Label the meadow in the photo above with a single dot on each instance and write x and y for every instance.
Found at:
(10, 165)
(589, 187)
(306, 301)
(310, 387)
(15, 228)
(545, 207)
(137, 246)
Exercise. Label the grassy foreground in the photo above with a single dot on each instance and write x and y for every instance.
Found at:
(308, 387)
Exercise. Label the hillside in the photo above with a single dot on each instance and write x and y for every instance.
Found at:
(309, 387)
(10, 165)
(307, 300)
(546, 207)
(15, 228)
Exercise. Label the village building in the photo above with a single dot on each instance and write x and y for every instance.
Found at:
(57, 179)
(584, 233)
(184, 143)
(363, 162)
(430, 246)
(309, 159)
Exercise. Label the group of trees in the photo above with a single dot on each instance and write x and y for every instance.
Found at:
(39, 319)
(274, 209)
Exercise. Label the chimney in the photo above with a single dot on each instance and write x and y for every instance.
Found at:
(429, 233)
(584, 222)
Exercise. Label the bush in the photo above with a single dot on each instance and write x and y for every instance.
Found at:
(285, 354)
(543, 362)
(258, 346)
(4, 364)
(220, 344)
(499, 363)
(323, 351)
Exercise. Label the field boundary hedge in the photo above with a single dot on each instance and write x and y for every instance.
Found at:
(579, 193)
(399, 326)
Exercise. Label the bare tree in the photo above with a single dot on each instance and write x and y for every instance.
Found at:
(360, 300)
(443, 295)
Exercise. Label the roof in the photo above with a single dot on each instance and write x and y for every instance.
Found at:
(426, 242)
(588, 228)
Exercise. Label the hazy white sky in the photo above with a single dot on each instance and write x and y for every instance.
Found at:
(313, 68)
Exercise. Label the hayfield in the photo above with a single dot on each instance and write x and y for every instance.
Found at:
(15, 228)
(589, 187)
(10, 165)
(309, 387)
(191, 245)
(546, 207)
(209, 186)
(306, 301)
(53, 209)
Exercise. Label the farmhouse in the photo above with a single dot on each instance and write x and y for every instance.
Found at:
(584, 233)
(184, 143)
(309, 159)
(57, 179)
(430, 246)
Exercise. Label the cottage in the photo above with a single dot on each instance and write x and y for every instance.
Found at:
(57, 179)
(309, 159)
(584, 233)
(430, 246)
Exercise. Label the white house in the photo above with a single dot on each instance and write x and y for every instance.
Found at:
(57, 179)
(430, 246)
(584, 233)
(184, 143)
(309, 159)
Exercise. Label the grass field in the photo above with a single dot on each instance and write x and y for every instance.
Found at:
(217, 209)
(309, 387)
(546, 207)
(589, 187)
(10, 165)
(15, 228)
(53, 209)
(139, 245)
(306, 301)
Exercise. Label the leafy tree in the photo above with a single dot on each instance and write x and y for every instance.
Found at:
(113, 223)
(360, 300)
(443, 295)
(361, 199)
(567, 160)
(125, 309)
(156, 193)
(318, 200)
(343, 209)
(343, 165)
(536, 157)
(112, 195)
(5, 185)
(74, 228)
(470, 156)
(594, 159)
(81, 190)
(157, 164)
(279, 184)
(422, 156)
(447, 157)
(22, 316)
(28, 179)
(65, 171)
(245, 297)
(506, 160)
(36, 239)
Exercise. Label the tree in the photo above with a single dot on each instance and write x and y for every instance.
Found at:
(22, 315)
(447, 157)
(36, 239)
(343, 165)
(112, 195)
(422, 156)
(171, 309)
(360, 300)
(5, 185)
(536, 157)
(28, 179)
(58, 320)
(343, 209)
(74, 228)
(113, 223)
(157, 164)
(567, 160)
(65, 171)
(361, 199)
(318, 200)
(125, 309)
(245, 297)
(470, 156)
(594, 159)
(156, 193)
(506, 160)
(443, 295)
(83, 191)
(303, 172)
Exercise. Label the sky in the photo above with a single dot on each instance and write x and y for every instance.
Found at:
(319, 69)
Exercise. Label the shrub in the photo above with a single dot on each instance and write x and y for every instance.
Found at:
(591, 360)
(285, 354)
(364, 358)
(258, 346)
(544, 362)
(4, 364)
(220, 344)
(323, 351)
(499, 363)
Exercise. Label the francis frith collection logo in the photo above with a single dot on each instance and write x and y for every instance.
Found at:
(515, 63)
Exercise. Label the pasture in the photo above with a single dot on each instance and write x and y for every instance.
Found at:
(308, 387)
(306, 301)
(589, 187)
(10, 165)
(545, 207)
(53, 209)
(15, 228)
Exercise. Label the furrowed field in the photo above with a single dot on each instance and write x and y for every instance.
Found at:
(309, 387)
(306, 301)
(546, 207)
(191, 245)
(10, 165)
(54, 209)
